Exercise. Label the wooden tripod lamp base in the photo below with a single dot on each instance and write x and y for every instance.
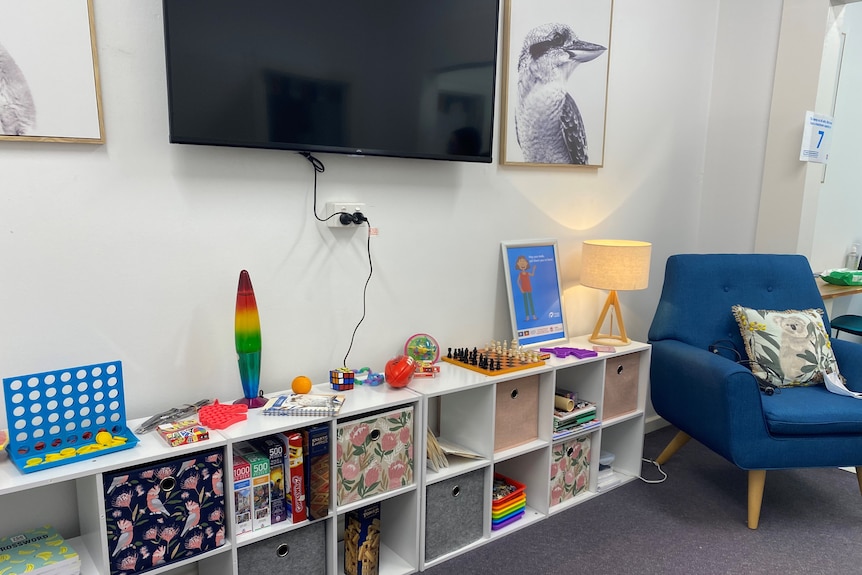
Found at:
(609, 338)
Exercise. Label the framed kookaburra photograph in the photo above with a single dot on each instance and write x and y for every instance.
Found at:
(49, 73)
(556, 56)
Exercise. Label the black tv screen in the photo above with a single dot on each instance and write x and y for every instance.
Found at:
(376, 77)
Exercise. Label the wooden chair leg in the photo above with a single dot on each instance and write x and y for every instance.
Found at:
(859, 477)
(756, 482)
(675, 444)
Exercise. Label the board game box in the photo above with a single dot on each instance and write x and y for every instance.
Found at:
(296, 488)
(315, 449)
(362, 541)
(242, 494)
(275, 450)
(260, 495)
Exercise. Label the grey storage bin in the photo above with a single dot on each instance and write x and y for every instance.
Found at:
(302, 550)
(454, 513)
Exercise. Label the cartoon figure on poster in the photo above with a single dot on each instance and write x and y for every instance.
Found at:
(539, 317)
(526, 286)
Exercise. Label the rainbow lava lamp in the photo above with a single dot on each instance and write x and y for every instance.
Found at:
(248, 343)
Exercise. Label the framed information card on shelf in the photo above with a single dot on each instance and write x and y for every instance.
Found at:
(535, 296)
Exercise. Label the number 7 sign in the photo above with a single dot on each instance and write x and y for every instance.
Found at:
(816, 138)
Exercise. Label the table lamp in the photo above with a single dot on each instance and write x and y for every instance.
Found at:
(614, 265)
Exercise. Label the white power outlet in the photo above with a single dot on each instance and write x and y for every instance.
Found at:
(342, 207)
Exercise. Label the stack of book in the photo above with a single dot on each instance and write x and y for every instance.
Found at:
(580, 418)
(40, 551)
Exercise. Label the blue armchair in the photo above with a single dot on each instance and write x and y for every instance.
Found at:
(715, 400)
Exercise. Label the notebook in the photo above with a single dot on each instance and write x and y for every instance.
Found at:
(305, 404)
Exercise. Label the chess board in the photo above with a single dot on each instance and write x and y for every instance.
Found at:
(507, 364)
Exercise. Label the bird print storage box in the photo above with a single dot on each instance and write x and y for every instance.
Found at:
(164, 512)
(374, 454)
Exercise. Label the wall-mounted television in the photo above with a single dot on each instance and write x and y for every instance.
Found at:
(412, 79)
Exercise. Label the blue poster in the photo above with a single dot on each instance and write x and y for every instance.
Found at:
(535, 288)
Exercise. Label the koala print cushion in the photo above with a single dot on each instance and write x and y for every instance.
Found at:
(786, 348)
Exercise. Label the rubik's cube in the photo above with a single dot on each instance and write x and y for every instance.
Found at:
(341, 379)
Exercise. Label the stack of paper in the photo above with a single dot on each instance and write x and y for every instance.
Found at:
(436, 458)
(607, 479)
(40, 551)
(450, 448)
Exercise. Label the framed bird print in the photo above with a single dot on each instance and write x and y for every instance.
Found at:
(556, 56)
(49, 74)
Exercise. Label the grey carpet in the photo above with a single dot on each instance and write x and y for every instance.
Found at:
(693, 523)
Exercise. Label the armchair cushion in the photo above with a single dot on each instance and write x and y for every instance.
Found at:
(813, 410)
(786, 348)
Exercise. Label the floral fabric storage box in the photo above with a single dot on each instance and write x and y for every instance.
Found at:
(374, 454)
(164, 512)
(570, 469)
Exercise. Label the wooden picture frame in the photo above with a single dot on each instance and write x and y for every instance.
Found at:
(556, 59)
(535, 294)
(49, 72)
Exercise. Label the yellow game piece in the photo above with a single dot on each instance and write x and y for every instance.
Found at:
(49, 457)
(33, 461)
(118, 440)
(104, 438)
(67, 451)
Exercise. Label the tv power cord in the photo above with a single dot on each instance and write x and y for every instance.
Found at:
(346, 219)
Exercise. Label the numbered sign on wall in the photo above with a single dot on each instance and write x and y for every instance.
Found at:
(816, 138)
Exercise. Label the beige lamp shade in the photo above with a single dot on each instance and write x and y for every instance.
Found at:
(614, 265)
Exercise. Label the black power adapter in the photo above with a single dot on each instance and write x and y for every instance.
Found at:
(354, 218)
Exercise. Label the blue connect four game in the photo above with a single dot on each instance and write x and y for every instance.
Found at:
(67, 415)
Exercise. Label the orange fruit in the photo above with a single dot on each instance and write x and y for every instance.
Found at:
(300, 384)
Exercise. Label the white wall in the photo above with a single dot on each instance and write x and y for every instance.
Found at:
(742, 85)
(788, 198)
(132, 250)
(837, 221)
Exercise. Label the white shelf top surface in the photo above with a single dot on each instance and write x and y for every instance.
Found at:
(151, 447)
(454, 378)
